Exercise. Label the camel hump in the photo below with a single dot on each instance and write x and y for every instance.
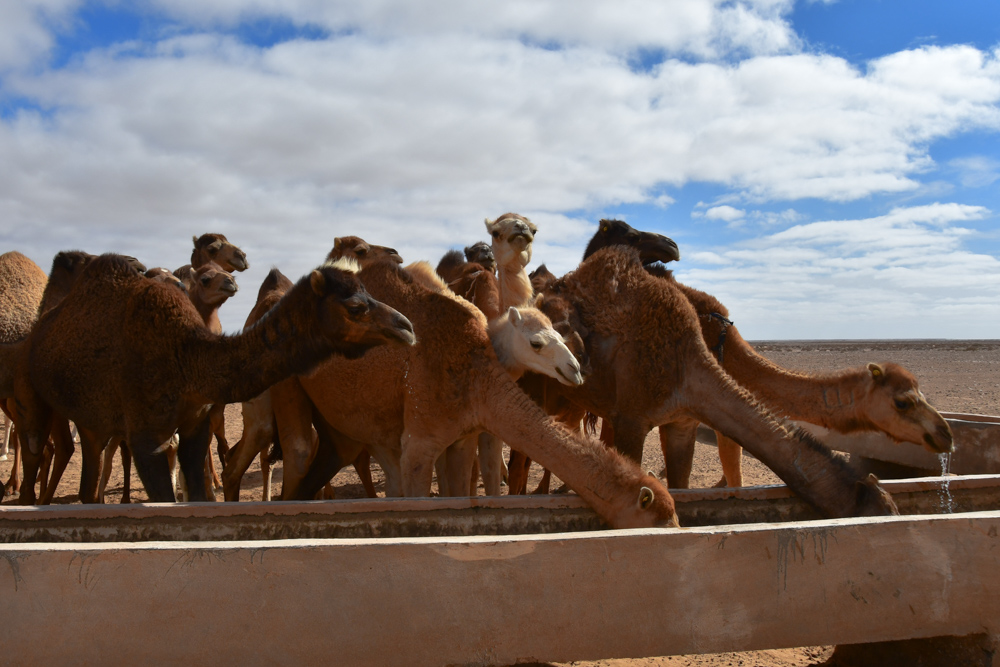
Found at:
(424, 273)
(450, 266)
(274, 281)
(22, 284)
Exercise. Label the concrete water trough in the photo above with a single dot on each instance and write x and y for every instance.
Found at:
(494, 580)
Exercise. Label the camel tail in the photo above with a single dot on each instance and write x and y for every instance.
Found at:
(609, 483)
(806, 465)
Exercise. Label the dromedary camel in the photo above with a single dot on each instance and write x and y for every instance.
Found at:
(512, 235)
(877, 397)
(211, 287)
(213, 248)
(259, 414)
(454, 262)
(408, 406)
(651, 366)
(188, 368)
(22, 283)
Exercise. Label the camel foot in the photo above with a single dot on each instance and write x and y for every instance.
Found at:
(562, 489)
(721, 484)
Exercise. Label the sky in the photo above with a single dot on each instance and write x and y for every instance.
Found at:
(829, 169)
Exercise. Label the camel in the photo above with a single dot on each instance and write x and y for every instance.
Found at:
(651, 366)
(73, 369)
(213, 248)
(454, 262)
(541, 278)
(878, 397)
(408, 406)
(259, 428)
(211, 287)
(512, 235)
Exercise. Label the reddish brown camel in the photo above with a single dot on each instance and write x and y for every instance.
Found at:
(408, 406)
(454, 262)
(882, 397)
(162, 338)
(259, 414)
(651, 366)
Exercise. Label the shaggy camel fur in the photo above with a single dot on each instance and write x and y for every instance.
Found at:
(260, 414)
(407, 406)
(163, 338)
(453, 263)
(213, 248)
(211, 287)
(512, 237)
(652, 366)
(877, 397)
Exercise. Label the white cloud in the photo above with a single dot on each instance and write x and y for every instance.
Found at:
(727, 213)
(26, 29)
(905, 274)
(976, 171)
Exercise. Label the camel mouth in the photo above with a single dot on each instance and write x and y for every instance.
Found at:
(658, 248)
(946, 445)
(240, 263)
(229, 289)
(575, 381)
(525, 236)
(403, 332)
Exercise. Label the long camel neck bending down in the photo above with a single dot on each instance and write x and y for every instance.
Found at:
(512, 236)
(408, 405)
(163, 339)
(652, 366)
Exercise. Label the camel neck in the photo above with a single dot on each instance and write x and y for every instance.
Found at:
(501, 332)
(515, 287)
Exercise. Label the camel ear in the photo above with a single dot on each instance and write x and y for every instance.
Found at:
(539, 298)
(337, 243)
(514, 315)
(878, 373)
(646, 497)
(318, 282)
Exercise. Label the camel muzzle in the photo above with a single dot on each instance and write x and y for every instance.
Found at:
(657, 248)
(402, 330)
(942, 442)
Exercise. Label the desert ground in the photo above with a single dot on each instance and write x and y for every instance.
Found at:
(955, 376)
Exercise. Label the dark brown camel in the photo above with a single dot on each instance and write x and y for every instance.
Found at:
(213, 248)
(651, 366)
(161, 337)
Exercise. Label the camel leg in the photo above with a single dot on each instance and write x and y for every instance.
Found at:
(517, 473)
(628, 437)
(191, 454)
(258, 433)
(491, 462)
(459, 459)
(294, 417)
(326, 463)
(30, 460)
(5, 449)
(731, 458)
(153, 468)
(416, 464)
(441, 473)
(218, 416)
(13, 485)
(109, 461)
(363, 466)
(265, 473)
(91, 449)
(543, 484)
(126, 456)
(44, 467)
(62, 438)
(677, 440)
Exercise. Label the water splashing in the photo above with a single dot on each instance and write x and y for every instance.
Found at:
(947, 502)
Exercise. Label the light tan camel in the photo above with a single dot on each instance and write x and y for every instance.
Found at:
(408, 406)
(22, 283)
(512, 237)
(651, 366)
(162, 338)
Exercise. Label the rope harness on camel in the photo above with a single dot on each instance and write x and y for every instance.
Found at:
(725, 323)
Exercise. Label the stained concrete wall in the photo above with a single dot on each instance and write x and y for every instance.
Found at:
(499, 600)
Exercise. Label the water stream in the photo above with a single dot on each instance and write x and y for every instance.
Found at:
(947, 502)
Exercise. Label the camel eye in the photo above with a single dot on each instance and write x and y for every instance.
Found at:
(357, 308)
(361, 252)
(536, 345)
(496, 235)
(902, 404)
(205, 280)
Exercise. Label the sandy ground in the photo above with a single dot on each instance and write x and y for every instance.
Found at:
(956, 376)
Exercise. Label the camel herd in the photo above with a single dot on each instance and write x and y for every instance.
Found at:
(428, 370)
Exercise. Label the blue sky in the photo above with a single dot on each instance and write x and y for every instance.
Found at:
(829, 169)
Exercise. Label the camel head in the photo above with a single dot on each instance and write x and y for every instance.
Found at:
(512, 237)
(525, 341)
(360, 250)
(652, 247)
(895, 405)
(566, 321)
(162, 275)
(353, 321)
(213, 285)
(541, 278)
(216, 248)
(481, 253)
(651, 504)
